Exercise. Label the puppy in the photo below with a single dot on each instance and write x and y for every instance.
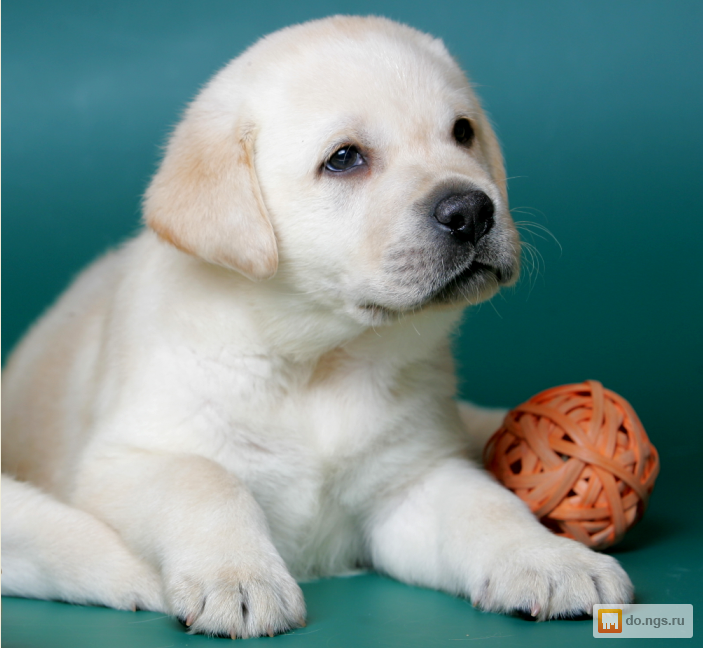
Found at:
(259, 388)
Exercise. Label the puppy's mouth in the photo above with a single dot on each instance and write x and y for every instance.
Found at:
(471, 283)
(474, 283)
(473, 269)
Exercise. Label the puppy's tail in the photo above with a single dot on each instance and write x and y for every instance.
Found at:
(53, 551)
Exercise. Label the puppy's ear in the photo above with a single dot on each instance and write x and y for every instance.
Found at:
(494, 157)
(205, 198)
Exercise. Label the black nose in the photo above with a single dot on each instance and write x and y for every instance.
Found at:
(467, 216)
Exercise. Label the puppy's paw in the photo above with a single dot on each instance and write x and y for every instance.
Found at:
(250, 600)
(550, 577)
(128, 585)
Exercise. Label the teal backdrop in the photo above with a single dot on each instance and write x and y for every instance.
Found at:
(599, 108)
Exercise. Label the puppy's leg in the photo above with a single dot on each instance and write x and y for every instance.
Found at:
(53, 551)
(458, 530)
(204, 530)
(480, 423)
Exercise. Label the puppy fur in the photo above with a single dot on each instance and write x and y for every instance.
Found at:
(259, 388)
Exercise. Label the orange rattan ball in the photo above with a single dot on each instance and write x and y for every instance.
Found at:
(581, 460)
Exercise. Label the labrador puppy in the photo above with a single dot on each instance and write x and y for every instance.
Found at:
(259, 388)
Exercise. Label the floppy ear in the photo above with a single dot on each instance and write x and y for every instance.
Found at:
(494, 157)
(205, 198)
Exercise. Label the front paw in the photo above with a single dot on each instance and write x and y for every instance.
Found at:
(252, 598)
(549, 577)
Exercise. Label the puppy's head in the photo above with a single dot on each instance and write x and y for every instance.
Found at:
(350, 157)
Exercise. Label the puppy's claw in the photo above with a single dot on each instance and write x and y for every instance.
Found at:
(270, 632)
(190, 619)
(302, 623)
(536, 608)
(233, 634)
(133, 607)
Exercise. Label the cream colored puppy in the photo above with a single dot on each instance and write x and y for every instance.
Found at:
(259, 387)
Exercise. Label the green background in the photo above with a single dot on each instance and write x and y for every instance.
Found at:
(599, 109)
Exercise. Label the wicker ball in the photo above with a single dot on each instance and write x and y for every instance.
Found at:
(581, 460)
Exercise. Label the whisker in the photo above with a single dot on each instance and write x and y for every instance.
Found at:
(529, 226)
(523, 209)
(493, 306)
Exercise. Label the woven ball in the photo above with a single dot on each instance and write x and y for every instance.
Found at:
(581, 460)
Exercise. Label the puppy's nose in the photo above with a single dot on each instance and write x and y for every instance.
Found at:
(467, 216)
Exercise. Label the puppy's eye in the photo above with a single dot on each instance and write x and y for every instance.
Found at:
(463, 132)
(344, 159)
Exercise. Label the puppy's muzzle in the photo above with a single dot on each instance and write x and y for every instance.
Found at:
(466, 216)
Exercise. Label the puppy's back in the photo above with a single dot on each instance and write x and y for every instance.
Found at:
(48, 382)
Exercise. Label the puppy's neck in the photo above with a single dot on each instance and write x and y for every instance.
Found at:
(302, 330)
(274, 319)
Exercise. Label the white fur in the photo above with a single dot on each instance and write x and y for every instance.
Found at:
(258, 387)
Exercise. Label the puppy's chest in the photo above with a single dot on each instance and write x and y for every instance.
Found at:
(306, 441)
(308, 457)
(278, 411)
